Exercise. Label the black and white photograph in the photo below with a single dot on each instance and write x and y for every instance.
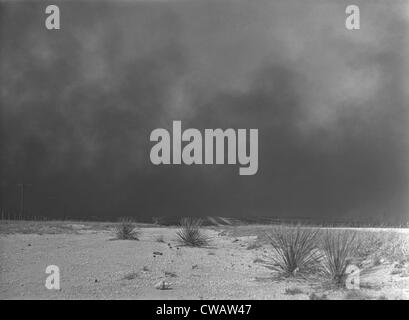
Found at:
(204, 150)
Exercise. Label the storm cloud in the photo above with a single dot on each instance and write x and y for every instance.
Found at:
(331, 105)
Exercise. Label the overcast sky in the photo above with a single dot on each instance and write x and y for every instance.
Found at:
(331, 106)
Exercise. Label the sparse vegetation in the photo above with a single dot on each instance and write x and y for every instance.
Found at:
(294, 251)
(51, 227)
(190, 233)
(126, 230)
(383, 246)
(395, 247)
(371, 245)
(381, 256)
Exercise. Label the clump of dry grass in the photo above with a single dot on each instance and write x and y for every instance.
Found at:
(294, 251)
(190, 233)
(126, 230)
(339, 248)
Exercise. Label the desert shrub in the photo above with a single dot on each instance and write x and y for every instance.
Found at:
(339, 248)
(190, 233)
(158, 220)
(160, 238)
(126, 230)
(294, 250)
(371, 244)
(383, 245)
(396, 247)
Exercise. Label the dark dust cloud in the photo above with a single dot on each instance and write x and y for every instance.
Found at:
(331, 106)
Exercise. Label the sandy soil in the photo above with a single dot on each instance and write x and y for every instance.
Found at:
(93, 266)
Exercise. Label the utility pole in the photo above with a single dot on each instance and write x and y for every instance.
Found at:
(22, 186)
(3, 200)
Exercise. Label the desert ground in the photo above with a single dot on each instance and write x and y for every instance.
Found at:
(95, 265)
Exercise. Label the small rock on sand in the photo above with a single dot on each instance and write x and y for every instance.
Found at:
(163, 285)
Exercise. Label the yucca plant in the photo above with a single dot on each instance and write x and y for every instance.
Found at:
(339, 248)
(294, 251)
(125, 230)
(190, 233)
